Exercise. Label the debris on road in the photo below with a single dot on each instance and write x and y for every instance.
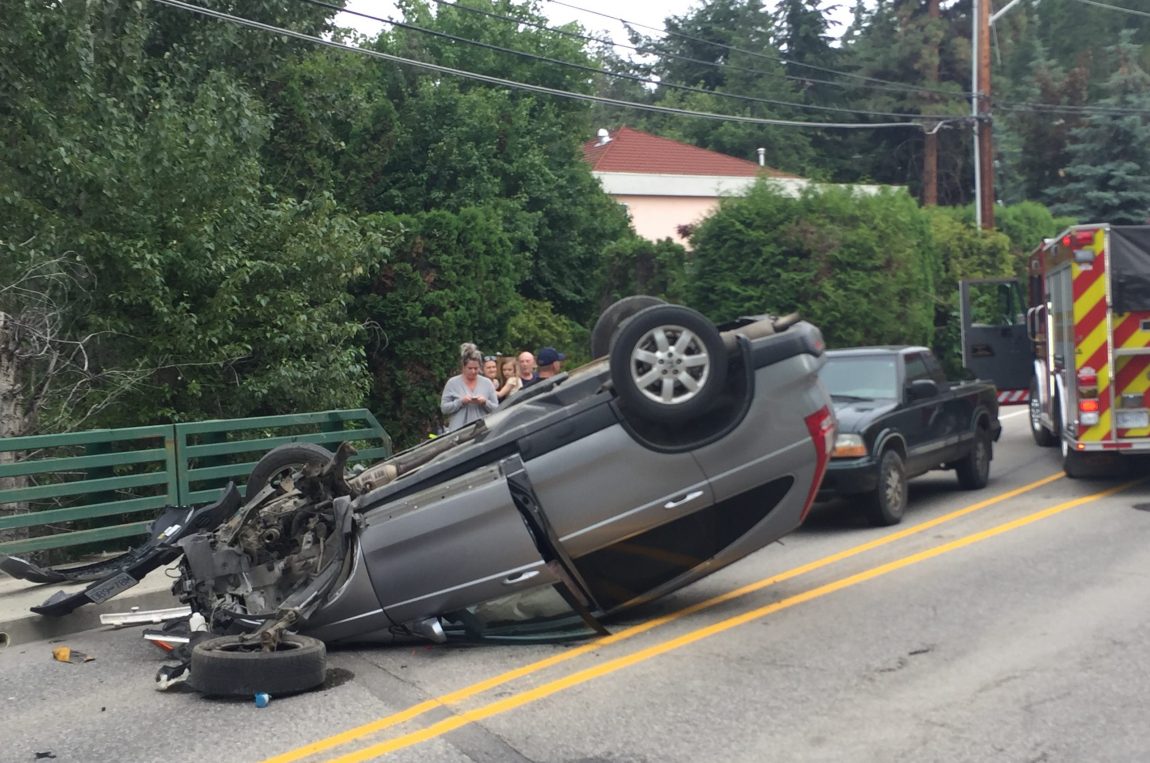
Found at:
(67, 654)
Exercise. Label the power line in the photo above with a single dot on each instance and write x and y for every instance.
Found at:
(1054, 108)
(1118, 8)
(621, 75)
(891, 85)
(511, 84)
(887, 85)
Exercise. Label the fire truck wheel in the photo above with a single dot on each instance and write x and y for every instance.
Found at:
(886, 504)
(974, 470)
(1042, 436)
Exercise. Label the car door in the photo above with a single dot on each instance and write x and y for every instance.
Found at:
(452, 546)
(995, 345)
(927, 422)
(624, 513)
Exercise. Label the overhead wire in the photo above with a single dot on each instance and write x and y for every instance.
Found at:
(1118, 8)
(890, 84)
(621, 75)
(1006, 105)
(530, 87)
(886, 84)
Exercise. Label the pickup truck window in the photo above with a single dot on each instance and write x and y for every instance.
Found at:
(916, 368)
(935, 369)
(867, 377)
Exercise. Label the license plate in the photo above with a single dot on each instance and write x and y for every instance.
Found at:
(109, 588)
(1133, 419)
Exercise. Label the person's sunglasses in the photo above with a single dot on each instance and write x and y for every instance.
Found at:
(489, 357)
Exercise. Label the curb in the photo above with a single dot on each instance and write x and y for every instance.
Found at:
(19, 625)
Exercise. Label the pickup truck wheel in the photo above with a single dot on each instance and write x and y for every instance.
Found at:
(280, 462)
(1042, 436)
(668, 364)
(236, 666)
(974, 470)
(887, 503)
(615, 316)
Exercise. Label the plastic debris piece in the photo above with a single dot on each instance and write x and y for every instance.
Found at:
(43, 755)
(67, 654)
(262, 699)
(171, 675)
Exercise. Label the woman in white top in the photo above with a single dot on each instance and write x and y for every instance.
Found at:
(469, 396)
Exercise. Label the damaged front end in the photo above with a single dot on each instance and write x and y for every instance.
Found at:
(270, 566)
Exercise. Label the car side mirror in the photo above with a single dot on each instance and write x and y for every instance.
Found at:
(920, 389)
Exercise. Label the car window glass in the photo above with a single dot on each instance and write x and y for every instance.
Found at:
(534, 614)
(916, 368)
(865, 376)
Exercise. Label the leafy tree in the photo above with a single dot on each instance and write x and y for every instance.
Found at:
(833, 255)
(206, 295)
(451, 277)
(1108, 175)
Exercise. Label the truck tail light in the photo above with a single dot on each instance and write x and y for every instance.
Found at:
(821, 425)
(1088, 410)
(1081, 243)
(1079, 239)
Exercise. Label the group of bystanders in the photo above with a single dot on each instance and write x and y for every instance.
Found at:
(484, 381)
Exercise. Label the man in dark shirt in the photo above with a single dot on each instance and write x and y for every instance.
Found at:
(550, 363)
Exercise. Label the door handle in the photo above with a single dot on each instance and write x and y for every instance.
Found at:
(519, 577)
(688, 497)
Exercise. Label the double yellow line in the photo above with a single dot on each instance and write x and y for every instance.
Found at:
(611, 666)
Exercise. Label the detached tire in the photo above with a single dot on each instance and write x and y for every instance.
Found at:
(886, 505)
(974, 470)
(280, 461)
(668, 364)
(615, 316)
(234, 666)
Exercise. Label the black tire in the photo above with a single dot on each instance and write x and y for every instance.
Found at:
(974, 470)
(280, 461)
(615, 316)
(670, 385)
(1042, 436)
(235, 666)
(885, 506)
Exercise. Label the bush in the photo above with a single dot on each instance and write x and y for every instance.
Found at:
(860, 267)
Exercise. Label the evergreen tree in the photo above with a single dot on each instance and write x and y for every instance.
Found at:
(1108, 177)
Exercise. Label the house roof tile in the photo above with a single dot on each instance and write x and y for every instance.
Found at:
(631, 150)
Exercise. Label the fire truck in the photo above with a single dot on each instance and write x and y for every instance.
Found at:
(1079, 355)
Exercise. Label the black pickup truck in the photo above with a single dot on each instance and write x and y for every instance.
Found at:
(899, 417)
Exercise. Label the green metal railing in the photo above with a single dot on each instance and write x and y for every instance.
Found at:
(96, 486)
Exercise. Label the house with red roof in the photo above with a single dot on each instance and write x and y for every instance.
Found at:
(666, 184)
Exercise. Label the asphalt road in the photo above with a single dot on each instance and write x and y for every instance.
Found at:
(1008, 624)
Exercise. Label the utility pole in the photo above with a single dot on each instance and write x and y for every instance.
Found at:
(930, 140)
(980, 110)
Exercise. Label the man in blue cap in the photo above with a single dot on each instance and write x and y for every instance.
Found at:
(550, 362)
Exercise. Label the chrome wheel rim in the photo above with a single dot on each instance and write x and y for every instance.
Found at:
(893, 488)
(1035, 414)
(670, 365)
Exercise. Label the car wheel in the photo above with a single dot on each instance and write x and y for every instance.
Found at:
(888, 502)
(615, 316)
(1043, 436)
(668, 364)
(974, 470)
(280, 462)
(237, 666)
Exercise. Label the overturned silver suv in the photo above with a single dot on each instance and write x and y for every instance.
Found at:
(683, 448)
